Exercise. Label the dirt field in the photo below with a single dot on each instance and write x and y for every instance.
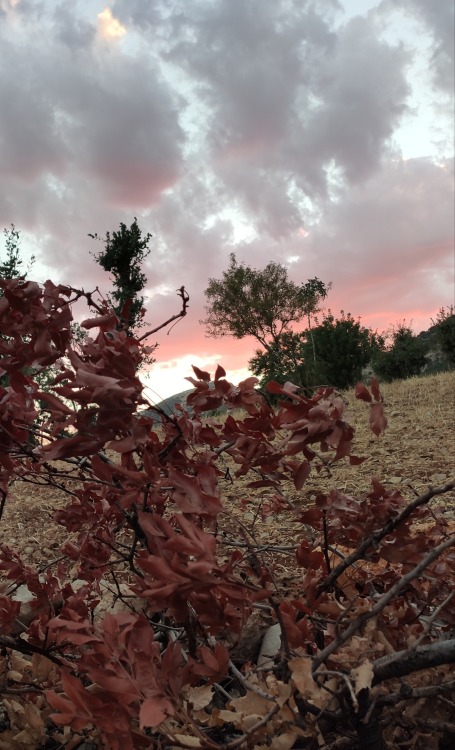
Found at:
(417, 450)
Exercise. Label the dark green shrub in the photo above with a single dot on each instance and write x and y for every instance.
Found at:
(445, 331)
(405, 357)
(337, 350)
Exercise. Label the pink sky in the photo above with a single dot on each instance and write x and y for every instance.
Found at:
(316, 135)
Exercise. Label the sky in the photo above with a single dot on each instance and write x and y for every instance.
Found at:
(317, 134)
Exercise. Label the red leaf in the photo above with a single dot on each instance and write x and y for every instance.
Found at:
(106, 321)
(220, 373)
(53, 402)
(302, 474)
(153, 711)
(201, 374)
(248, 383)
(378, 420)
(374, 385)
(274, 387)
(101, 469)
(356, 460)
(362, 392)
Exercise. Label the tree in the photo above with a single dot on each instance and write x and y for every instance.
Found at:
(123, 255)
(404, 357)
(334, 354)
(343, 347)
(283, 361)
(10, 267)
(259, 303)
(445, 330)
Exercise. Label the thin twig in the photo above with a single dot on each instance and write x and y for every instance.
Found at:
(382, 602)
(374, 538)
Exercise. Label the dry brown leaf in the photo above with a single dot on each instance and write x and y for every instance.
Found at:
(13, 707)
(284, 742)
(187, 740)
(6, 740)
(25, 738)
(19, 663)
(13, 675)
(251, 703)
(249, 722)
(280, 691)
(200, 697)
(303, 677)
(362, 676)
(43, 669)
(33, 717)
(222, 715)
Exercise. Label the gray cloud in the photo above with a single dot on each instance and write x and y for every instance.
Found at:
(228, 126)
(289, 100)
(439, 19)
(76, 33)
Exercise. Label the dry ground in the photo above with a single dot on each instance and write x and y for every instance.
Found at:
(417, 450)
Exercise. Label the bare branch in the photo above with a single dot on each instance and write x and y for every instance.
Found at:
(374, 538)
(382, 602)
(184, 296)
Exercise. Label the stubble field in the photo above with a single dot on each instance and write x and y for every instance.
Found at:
(416, 451)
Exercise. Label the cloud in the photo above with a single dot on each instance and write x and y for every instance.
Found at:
(86, 131)
(110, 27)
(438, 19)
(271, 129)
(75, 33)
(388, 247)
(288, 101)
(6, 6)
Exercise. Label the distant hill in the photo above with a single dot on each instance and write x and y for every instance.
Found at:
(168, 404)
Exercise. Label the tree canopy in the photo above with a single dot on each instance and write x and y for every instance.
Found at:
(283, 362)
(124, 252)
(343, 348)
(259, 303)
(403, 358)
(10, 264)
(334, 353)
(445, 322)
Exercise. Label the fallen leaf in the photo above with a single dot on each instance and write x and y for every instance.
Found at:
(200, 697)
(362, 676)
(302, 677)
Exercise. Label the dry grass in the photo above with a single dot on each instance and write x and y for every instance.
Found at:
(416, 451)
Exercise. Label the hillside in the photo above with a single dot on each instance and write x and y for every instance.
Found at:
(417, 450)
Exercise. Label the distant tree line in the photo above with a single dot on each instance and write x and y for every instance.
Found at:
(300, 341)
(267, 305)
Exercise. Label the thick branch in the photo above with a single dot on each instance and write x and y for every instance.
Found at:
(356, 624)
(412, 660)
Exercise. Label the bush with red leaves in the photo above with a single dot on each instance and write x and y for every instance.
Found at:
(142, 519)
